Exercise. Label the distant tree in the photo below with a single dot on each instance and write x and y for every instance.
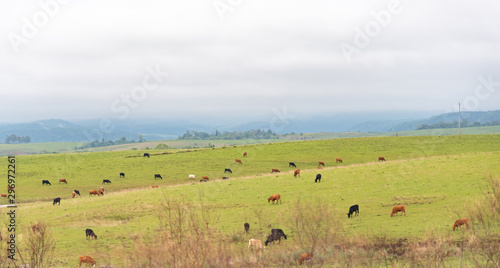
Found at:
(12, 139)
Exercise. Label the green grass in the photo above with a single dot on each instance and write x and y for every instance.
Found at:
(435, 177)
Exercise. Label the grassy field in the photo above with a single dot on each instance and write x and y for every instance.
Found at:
(436, 177)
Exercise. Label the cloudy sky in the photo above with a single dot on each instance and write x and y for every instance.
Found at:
(245, 58)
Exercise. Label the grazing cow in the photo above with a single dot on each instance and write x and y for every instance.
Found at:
(158, 176)
(338, 160)
(275, 170)
(100, 192)
(256, 243)
(77, 192)
(460, 222)
(106, 181)
(247, 227)
(205, 178)
(122, 174)
(296, 172)
(274, 197)
(63, 180)
(305, 257)
(381, 158)
(3, 195)
(228, 170)
(276, 235)
(225, 178)
(203, 181)
(57, 200)
(87, 260)
(146, 154)
(318, 178)
(154, 186)
(291, 164)
(192, 177)
(90, 234)
(244, 154)
(321, 163)
(46, 182)
(397, 209)
(353, 209)
(73, 195)
(93, 192)
(237, 161)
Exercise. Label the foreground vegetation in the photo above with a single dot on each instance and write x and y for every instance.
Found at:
(191, 224)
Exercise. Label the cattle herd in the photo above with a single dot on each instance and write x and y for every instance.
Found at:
(276, 234)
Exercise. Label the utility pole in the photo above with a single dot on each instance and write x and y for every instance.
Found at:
(459, 133)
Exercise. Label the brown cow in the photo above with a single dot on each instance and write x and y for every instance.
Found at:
(275, 170)
(205, 178)
(460, 222)
(256, 243)
(88, 260)
(244, 154)
(237, 161)
(381, 158)
(154, 186)
(63, 180)
(93, 192)
(274, 197)
(73, 195)
(338, 160)
(100, 192)
(3, 195)
(296, 172)
(305, 257)
(321, 163)
(397, 209)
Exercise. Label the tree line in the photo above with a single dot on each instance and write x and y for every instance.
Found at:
(234, 135)
(103, 142)
(454, 124)
(12, 139)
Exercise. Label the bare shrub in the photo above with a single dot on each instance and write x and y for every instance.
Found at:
(39, 246)
(186, 238)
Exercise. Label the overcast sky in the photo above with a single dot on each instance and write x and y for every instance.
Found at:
(241, 58)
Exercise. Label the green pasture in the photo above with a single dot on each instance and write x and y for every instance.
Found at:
(436, 177)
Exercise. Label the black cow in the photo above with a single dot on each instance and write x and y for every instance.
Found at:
(122, 174)
(225, 178)
(247, 227)
(57, 200)
(203, 180)
(318, 178)
(90, 234)
(353, 209)
(146, 154)
(291, 164)
(46, 182)
(228, 170)
(106, 181)
(276, 234)
(158, 176)
(77, 192)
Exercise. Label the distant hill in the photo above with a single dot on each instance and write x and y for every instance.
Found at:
(56, 130)
(406, 125)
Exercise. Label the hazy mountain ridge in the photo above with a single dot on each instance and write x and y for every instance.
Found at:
(56, 130)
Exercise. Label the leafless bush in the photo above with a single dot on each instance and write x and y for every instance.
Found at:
(39, 246)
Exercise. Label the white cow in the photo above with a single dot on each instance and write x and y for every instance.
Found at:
(192, 177)
(256, 243)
